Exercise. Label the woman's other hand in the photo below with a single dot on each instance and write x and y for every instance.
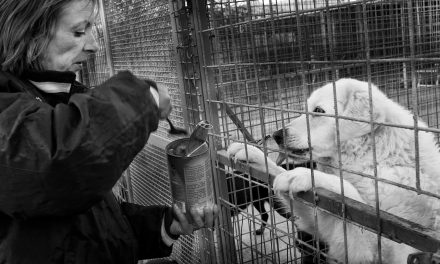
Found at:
(203, 217)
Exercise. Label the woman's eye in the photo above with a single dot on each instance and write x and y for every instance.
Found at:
(318, 110)
(79, 33)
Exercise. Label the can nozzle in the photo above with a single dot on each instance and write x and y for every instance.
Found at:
(198, 137)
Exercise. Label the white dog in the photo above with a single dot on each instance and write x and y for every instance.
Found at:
(395, 155)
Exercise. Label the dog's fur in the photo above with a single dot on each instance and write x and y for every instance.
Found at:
(395, 157)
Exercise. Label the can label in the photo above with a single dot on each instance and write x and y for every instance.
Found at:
(190, 177)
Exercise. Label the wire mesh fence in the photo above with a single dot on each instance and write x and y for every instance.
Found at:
(248, 66)
(137, 36)
(260, 52)
(266, 58)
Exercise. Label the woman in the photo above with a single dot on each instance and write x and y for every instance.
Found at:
(63, 146)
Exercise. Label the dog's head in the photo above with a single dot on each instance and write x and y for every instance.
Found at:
(354, 100)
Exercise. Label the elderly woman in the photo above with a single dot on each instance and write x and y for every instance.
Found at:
(63, 146)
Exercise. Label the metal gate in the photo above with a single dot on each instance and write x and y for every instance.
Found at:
(137, 36)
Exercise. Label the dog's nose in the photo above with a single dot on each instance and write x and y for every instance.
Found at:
(278, 136)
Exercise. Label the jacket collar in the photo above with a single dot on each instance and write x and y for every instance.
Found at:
(50, 76)
(51, 81)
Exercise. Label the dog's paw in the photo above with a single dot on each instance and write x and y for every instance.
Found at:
(293, 181)
(242, 152)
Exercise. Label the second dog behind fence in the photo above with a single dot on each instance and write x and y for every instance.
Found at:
(244, 191)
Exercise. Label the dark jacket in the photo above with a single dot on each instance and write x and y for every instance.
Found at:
(60, 155)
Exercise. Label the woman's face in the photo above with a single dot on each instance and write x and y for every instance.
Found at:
(73, 40)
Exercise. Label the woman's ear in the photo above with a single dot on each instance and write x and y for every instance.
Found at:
(357, 107)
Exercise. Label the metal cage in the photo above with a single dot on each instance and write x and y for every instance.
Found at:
(254, 63)
(248, 67)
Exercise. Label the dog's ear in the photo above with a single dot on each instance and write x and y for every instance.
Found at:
(357, 105)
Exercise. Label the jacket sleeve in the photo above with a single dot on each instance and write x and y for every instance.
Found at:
(61, 160)
(146, 223)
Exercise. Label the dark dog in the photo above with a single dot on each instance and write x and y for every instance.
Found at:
(243, 192)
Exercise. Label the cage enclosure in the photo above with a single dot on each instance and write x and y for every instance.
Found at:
(248, 67)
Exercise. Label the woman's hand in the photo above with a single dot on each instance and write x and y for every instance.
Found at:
(202, 217)
(162, 98)
(164, 102)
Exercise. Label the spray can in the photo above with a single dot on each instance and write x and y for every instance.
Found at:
(189, 167)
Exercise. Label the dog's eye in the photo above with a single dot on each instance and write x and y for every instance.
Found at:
(318, 110)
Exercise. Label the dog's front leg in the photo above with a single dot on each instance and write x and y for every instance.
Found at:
(253, 155)
(331, 230)
(300, 180)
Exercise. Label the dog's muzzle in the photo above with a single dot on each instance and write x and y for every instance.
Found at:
(278, 136)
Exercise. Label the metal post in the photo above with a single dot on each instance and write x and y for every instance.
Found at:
(226, 250)
(175, 10)
(106, 37)
(108, 54)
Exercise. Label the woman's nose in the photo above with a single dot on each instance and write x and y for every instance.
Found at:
(91, 44)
